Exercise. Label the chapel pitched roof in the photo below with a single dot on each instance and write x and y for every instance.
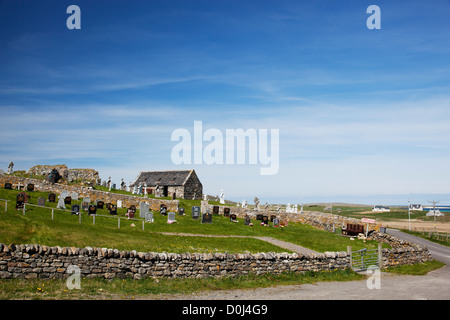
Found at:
(163, 178)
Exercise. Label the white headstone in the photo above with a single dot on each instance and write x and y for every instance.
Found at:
(61, 204)
(149, 217)
(144, 209)
(170, 217)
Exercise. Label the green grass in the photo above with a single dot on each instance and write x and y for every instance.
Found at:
(96, 288)
(429, 237)
(418, 269)
(64, 230)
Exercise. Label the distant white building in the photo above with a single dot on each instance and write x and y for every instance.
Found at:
(416, 207)
(381, 209)
(435, 212)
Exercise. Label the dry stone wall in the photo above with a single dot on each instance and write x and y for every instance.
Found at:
(39, 261)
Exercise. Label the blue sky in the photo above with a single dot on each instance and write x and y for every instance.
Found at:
(360, 112)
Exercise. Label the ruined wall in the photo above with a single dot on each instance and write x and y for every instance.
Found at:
(68, 174)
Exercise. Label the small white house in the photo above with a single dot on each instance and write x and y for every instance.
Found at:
(381, 209)
(416, 207)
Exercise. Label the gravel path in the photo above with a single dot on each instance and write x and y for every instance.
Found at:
(283, 244)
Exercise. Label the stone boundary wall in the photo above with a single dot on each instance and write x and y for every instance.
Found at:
(39, 261)
(107, 197)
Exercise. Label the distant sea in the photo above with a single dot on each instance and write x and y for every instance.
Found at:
(371, 200)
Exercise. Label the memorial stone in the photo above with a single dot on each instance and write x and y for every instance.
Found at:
(51, 197)
(41, 201)
(75, 209)
(92, 209)
(207, 217)
(171, 217)
(195, 212)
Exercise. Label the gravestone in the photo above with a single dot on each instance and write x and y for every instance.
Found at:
(75, 209)
(144, 208)
(180, 211)
(119, 203)
(259, 217)
(149, 217)
(92, 209)
(20, 200)
(85, 206)
(61, 204)
(68, 200)
(100, 204)
(163, 209)
(51, 197)
(265, 219)
(113, 210)
(247, 221)
(276, 222)
(226, 212)
(233, 218)
(30, 187)
(207, 217)
(132, 208)
(87, 199)
(272, 217)
(108, 205)
(8, 186)
(74, 196)
(170, 217)
(41, 201)
(215, 209)
(64, 194)
(195, 212)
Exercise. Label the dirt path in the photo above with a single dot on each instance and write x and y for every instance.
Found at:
(283, 244)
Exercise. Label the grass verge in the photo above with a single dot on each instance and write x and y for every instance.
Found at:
(102, 289)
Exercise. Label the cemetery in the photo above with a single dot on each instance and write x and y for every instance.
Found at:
(88, 228)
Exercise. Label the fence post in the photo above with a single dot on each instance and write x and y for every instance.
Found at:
(349, 252)
(143, 225)
(118, 223)
(24, 208)
(52, 214)
(6, 206)
(79, 217)
(93, 220)
(380, 256)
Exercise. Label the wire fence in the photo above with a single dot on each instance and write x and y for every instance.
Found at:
(6, 203)
(80, 214)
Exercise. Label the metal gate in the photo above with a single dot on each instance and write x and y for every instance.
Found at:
(362, 259)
